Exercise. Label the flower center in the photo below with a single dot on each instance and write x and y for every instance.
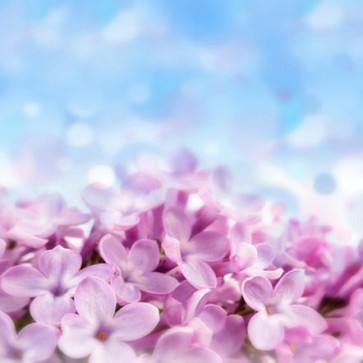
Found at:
(270, 310)
(16, 353)
(102, 335)
(58, 290)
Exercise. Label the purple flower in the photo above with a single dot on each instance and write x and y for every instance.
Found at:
(192, 253)
(252, 259)
(212, 328)
(34, 343)
(32, 222)
(51, 282)
(277, 309)
(178, 346)
(301, 346)
(99, 332)
(135, 269)
(119, 210)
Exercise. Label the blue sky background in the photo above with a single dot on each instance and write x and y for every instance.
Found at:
(271, 88)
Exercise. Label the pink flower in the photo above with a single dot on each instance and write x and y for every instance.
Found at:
(51, 282)
(277, 308)
(213, 329)
(178, 345)
(34, 343)
(252, 259)
(32, 222)
(99, 332)
(135, 269)
(301, 346)
(119, 210)
(192, 253)
(348, 324)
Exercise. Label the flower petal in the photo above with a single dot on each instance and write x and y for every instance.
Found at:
(60, 262)
(23, 281)
(290, 287)
(325, 346)
(112, 251)
(208, 246)
(176, 346)
(100, 270)
(199, 355)
(229, 339)
(115, 220)
(173, 343)
(126, 292)
(38, 342)
(135, 321)
(257, 292)
(245, 256)
(157, 283)
(97, 197)
(49, 309)
(10, 304)
(194, 304)
(95, 300)
(301, 315)
(265, 331)
(77, 340)
(265, 254)
(7, 329)
(171, 247)
(177, 224)
(26, 237)
(2, 246)
(214, 317)
(144, 255)
(198, 273)
(113, 351)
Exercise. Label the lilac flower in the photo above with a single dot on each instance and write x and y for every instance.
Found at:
(192, 253)
(301, 346)
(99, 332)
(178, 346)
(32, 222)
(135, 269)
(277, 309)
(255, 260)
(120, 210)
(51, 282)
(184, 304)
(216, 245)
(349, 323)
(23, 226)
(34, 343)
(251, 259)
(228, 340)
(212, 328)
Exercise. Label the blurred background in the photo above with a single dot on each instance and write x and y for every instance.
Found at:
(270, 89)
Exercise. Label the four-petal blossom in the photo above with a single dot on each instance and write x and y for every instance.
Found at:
(192, 253)
(277, 309)
(51, 282)
(34, 343)
(97, 331)
(135, 269)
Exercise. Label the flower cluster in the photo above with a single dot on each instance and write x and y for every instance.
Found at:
(171, 267)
